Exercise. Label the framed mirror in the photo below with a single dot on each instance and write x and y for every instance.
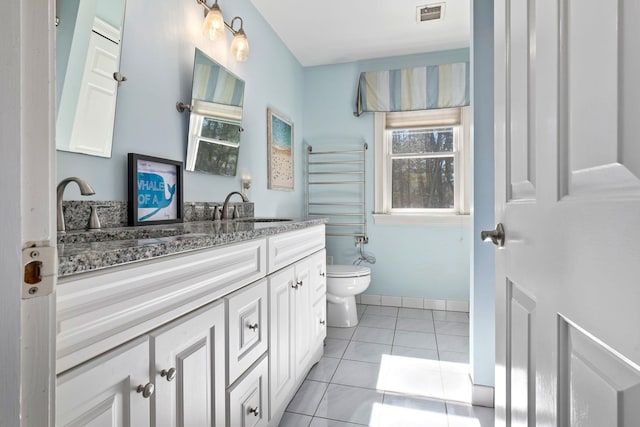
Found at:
(215, 122)
(88, 46)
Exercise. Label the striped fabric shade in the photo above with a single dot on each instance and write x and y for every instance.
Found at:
(408, 89)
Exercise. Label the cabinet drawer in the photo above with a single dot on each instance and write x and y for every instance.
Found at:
(287, 248)
(247, 328)
(247, 400)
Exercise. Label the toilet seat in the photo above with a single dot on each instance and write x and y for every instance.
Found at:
(347, 271)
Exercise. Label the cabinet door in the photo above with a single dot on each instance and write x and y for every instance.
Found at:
(188, 366)
(319, 322)
(302, 315)
(247, 328)
(281, 340)
(103, 392)
(318, 275)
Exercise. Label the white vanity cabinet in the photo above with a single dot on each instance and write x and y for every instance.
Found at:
(188, 369)
(215, 337)
(104, 391)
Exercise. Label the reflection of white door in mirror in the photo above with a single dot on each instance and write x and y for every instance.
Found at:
(93, 125)
(88, 56)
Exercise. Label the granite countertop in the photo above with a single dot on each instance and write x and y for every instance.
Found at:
(83, 251)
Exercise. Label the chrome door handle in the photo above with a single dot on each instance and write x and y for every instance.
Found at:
(117, 76)
(494, 236)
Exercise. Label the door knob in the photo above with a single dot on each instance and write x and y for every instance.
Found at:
(494, 236)
(117, 76)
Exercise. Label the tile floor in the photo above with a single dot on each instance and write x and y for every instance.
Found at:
(400, 367)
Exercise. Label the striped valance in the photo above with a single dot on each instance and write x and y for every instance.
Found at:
(408, 89)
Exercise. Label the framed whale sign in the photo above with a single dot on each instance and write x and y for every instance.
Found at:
(155, 190)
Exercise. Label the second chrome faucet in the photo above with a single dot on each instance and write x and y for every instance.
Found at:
(225, 206)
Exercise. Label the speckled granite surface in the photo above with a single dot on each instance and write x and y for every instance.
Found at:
(94, 250)
(114, 213)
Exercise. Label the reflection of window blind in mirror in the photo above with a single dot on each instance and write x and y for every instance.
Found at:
(213, 83)
(216, 118)
(224, 112)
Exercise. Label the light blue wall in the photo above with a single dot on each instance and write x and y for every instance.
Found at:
(157, 59)
(483, 263)
(413, 261)
(67, 11)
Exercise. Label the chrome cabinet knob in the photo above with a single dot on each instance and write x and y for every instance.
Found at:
(292, 285)
(299, 282)
(496, 236)
(146, 390)
(322, 274)
(168, 374)
(255, 411)
(322, 322)
(253, 327)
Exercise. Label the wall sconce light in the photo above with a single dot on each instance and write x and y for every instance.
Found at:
(246, 183)
(214, 25)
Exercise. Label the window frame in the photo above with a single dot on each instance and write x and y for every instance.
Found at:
(385, 123)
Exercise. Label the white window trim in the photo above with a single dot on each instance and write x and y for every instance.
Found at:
(382, 180)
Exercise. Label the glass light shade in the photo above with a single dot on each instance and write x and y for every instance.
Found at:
(240, 46)
(213, 26)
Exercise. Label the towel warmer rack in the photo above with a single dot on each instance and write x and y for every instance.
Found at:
(336, 189)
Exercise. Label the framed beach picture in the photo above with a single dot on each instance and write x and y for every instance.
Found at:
(280, 151)
(155, 190)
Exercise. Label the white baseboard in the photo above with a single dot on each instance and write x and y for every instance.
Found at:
(413, 302)
(482, 395)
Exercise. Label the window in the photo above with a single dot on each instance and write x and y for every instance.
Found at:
(422, 166)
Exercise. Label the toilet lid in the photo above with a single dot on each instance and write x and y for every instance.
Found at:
(347, 271)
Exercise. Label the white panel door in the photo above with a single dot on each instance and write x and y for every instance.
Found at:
(92, 131)
(103, 392)
(188, 368)
(568, 194)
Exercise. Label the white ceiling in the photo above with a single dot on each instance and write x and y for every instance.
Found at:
(332, 31)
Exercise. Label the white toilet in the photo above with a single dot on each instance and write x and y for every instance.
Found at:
(344, 282)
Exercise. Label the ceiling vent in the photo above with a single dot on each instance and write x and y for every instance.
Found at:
(430, 12)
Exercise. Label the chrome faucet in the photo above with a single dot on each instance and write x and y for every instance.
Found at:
(225, 206)
(85, 190)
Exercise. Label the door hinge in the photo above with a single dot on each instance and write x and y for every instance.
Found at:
(39, 264)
